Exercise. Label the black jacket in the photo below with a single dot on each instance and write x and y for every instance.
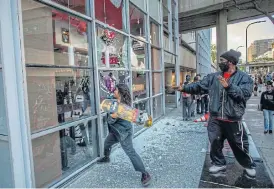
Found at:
(267, 100)
(225, 103)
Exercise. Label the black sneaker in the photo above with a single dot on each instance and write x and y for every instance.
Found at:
(104, 160)
(270, 131)
(265, 132)
(146, 179)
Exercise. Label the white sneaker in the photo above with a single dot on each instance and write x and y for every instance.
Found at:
(251, 172)
(216, 169)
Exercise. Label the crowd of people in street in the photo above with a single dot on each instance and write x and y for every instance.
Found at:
(193, 104)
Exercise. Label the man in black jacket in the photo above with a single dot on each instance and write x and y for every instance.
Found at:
(229, 91)
(267, 105)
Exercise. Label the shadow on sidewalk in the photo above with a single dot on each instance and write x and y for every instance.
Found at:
(234, 176)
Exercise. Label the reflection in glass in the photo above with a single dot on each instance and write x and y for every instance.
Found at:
(154, 6)
(59, 154)
(138, 53)
(144, 106)
(54, 37)
(108, 81)
(165, 18)
(137, 22)
(111, 49)
(155, 59)
(140, 85)
(79, 6)
(154, 34)
(111, 12)
(157, 107)
(169, 58)
(58, 96)
(166, 42)
(140, 3)
(156, 83)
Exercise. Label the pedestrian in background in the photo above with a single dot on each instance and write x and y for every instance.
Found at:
(194, 99)
(267, 105)
(199, 99)
(255, 89)
(260, 84)
(186, 101)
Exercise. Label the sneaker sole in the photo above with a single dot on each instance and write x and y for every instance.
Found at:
(222, 170)
(148, 183)
(249, 176)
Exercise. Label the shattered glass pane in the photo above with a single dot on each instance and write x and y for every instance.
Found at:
(111, 49)
(138, 53)
(157, 107)
(140, 85)
(109, 79)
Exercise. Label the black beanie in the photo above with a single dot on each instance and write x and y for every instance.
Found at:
(232, 56)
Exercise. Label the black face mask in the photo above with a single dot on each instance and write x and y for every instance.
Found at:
(223, 66)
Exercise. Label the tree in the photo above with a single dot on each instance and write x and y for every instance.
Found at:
(213, 53)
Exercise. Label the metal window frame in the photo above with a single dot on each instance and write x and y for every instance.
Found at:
(14, 77)
(62, 8)
(56, 128)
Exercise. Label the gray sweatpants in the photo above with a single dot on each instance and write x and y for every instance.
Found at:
(187, 107)
(128, 149)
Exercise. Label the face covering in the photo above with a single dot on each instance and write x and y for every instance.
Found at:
(224, 66)
(269, 89)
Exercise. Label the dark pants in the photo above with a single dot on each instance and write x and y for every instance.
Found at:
(204, 104)
(237, 138)
(128, 148)
(198, 108)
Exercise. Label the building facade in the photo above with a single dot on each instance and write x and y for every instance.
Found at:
(259, 48)
(203, 50)
(59, 60)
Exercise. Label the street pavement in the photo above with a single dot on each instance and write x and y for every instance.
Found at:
(173, 152)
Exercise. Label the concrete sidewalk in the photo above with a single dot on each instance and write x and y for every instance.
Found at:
(173, 152)
(263, 142)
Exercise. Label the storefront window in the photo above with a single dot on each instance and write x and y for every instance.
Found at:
(166, 42)
(108, 81)
(140, 3)
(112, 13)
(54, 38)
(79, 6)
(154, 34)
(143, 106)
(140, 85)
(155, 59)
(165, 17)
(59, 154)
(156, 83)
(157, 107)
(137, 22)
(58, 96)
(138, 55)
(169, 58)
(154, 6)
(111, 49)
